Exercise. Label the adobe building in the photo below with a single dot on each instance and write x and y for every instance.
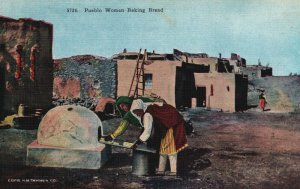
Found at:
(185, 80)
(252, 71)
(25, 64)
(257, 71)
(237, 62)
(226, 91)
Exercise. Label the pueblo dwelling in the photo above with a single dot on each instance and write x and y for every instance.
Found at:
(185, 79)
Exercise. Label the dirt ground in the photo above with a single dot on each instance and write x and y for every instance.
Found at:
(228, 150)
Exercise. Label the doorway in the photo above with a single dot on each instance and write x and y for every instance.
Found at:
(184, 88)
(201, 96)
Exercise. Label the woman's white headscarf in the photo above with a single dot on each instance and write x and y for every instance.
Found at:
(138, 104)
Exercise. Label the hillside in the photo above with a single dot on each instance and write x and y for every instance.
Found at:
(282, 93)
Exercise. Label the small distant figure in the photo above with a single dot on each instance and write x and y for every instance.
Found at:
(262, 100)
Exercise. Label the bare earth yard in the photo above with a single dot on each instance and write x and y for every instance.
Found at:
(228, 150)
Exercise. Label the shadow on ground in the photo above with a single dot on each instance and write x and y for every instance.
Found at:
(119, 160)
(191, 160)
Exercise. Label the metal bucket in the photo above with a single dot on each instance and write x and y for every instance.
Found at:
(143, 163)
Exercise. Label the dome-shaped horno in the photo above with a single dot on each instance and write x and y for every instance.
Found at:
(69, 126)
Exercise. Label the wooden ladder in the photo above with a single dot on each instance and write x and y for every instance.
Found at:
(137, 82)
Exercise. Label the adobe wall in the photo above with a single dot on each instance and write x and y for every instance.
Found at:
(256, 71)
(223, 85)
(164, 77)
(234, 63)
(211, 61)
(252, 72)
(34, 90)
(266, 72)
(125, 71)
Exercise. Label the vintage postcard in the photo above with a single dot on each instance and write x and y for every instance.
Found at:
(150, 94)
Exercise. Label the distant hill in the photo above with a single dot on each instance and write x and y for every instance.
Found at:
(282, 93)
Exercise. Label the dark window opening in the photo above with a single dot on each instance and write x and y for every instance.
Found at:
(148, 81)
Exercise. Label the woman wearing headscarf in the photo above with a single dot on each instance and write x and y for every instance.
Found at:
(170, 124)
(123, 104)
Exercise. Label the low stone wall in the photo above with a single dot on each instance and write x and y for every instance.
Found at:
(84, 76)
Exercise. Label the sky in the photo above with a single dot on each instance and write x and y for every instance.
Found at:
(268, 30)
